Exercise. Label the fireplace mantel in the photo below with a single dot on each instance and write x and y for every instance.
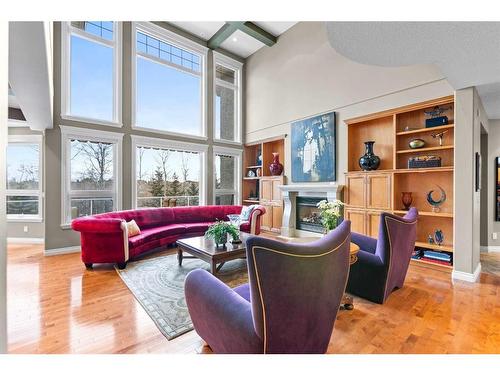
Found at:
(290, 193)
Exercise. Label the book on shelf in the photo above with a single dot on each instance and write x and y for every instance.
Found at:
(437, 255)
(436, 261)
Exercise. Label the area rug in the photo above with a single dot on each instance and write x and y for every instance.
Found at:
(158, 285)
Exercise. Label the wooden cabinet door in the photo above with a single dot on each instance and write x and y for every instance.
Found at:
(356, 191)
(372, 223)
(266, 190)
(276, 192)
(277, 218)
(357, 218)
(379, 191)
(266, 221)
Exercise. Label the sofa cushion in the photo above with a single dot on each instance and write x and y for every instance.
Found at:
(200, 214)
(133, 229)
(152, 234)
(245, 226)
(197, 227)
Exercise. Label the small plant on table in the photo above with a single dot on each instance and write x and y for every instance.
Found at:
(219, 231)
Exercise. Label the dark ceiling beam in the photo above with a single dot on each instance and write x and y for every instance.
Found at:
(247, 27)
(221, 35)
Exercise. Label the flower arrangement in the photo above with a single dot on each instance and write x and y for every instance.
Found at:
(330, 212)
(219, 231)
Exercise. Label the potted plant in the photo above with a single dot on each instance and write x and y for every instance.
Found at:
(219, 231)
(330, 212)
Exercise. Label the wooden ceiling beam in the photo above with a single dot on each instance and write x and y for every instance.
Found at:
(247, 27)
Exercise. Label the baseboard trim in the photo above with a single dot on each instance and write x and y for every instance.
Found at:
(465, 276)
(490, 249)
(27, 240)
(62, 250)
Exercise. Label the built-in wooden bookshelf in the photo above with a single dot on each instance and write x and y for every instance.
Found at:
(368, 194)
(263, 187)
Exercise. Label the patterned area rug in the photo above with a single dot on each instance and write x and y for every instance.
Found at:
(158, 285)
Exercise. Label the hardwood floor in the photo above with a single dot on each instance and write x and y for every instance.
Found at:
(56, 306)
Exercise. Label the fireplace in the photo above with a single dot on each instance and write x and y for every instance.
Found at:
(307, 214)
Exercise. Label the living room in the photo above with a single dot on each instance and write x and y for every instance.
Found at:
(249, 187)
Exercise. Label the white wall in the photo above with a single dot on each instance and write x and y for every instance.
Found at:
(302, 76)
(3, 222)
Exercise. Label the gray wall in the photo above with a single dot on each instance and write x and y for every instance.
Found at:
(35, 229)
(55, 236)
(493, 152)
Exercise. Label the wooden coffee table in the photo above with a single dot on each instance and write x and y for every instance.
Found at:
(205, 249)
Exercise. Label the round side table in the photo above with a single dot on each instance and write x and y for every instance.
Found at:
(347, 300)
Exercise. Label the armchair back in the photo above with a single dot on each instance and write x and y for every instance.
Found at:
(296, 290)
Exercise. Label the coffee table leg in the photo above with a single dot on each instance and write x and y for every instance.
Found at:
(179, 256)
(347, 302)
(213, 267)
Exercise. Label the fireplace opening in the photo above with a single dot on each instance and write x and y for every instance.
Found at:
(308, 214)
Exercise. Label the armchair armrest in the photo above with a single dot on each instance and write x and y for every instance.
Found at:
(220, 316)
(365, 243)
(93, 225)
(254, 220)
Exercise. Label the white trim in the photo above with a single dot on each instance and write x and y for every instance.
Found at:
(86, 134)
(465, 276)
(124, 227)
(15, 123)
(172, 38)
(202, 149)
(490, 249)
(62, 250)
(29, 139)
(27, 240)
(234, 152)
(66, 31)
(237, 67)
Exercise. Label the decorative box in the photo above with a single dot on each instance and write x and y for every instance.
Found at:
(429, 161)
(436, 121)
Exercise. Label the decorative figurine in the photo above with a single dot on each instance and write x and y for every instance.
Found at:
(439, 136)
(407, 199)
(436, 117)
(416, 143)
(369, 161)
(436, 204)
(439, 236)
(430, 239)
(250, 173)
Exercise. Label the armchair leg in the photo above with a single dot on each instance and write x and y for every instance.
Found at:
(121, 265)
(88, 266)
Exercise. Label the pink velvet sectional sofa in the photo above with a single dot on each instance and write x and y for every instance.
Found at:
(104, 237)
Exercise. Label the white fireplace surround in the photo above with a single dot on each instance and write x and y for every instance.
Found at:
(291, 192)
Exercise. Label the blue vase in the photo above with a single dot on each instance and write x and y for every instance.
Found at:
(369, 161)
(439, 236)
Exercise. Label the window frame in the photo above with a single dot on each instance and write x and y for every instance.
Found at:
(83, 134)
(141, 141)
(66, 31)
(181, 42)
(29, 140)
(237, 153)
(237, 67)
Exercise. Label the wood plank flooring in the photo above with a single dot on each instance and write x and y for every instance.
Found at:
(56, 306)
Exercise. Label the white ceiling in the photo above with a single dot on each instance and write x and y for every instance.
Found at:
(467, 53)
(239, 43)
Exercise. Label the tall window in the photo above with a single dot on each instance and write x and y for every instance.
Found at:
(91, 172)
(168, 173)
(91, 71)
(227, 96)
(227, 176)
(24, 178)
(169, 82)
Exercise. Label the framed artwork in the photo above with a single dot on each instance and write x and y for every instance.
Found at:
(497, 189)
(314, 149)
(478, 172)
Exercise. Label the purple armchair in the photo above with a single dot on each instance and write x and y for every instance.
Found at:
(382, 264)
(290, 304)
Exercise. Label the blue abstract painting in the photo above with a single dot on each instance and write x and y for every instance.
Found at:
(314, 149)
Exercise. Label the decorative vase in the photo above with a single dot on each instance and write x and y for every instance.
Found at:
(276, 168)
(407, 199)
(220, 240)
(369, 161)
(416, 143)
(439, 236)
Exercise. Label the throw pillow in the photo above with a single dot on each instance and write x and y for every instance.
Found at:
(133, 228)
(246, 211)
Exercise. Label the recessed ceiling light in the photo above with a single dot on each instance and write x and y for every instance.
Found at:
(235, 39)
